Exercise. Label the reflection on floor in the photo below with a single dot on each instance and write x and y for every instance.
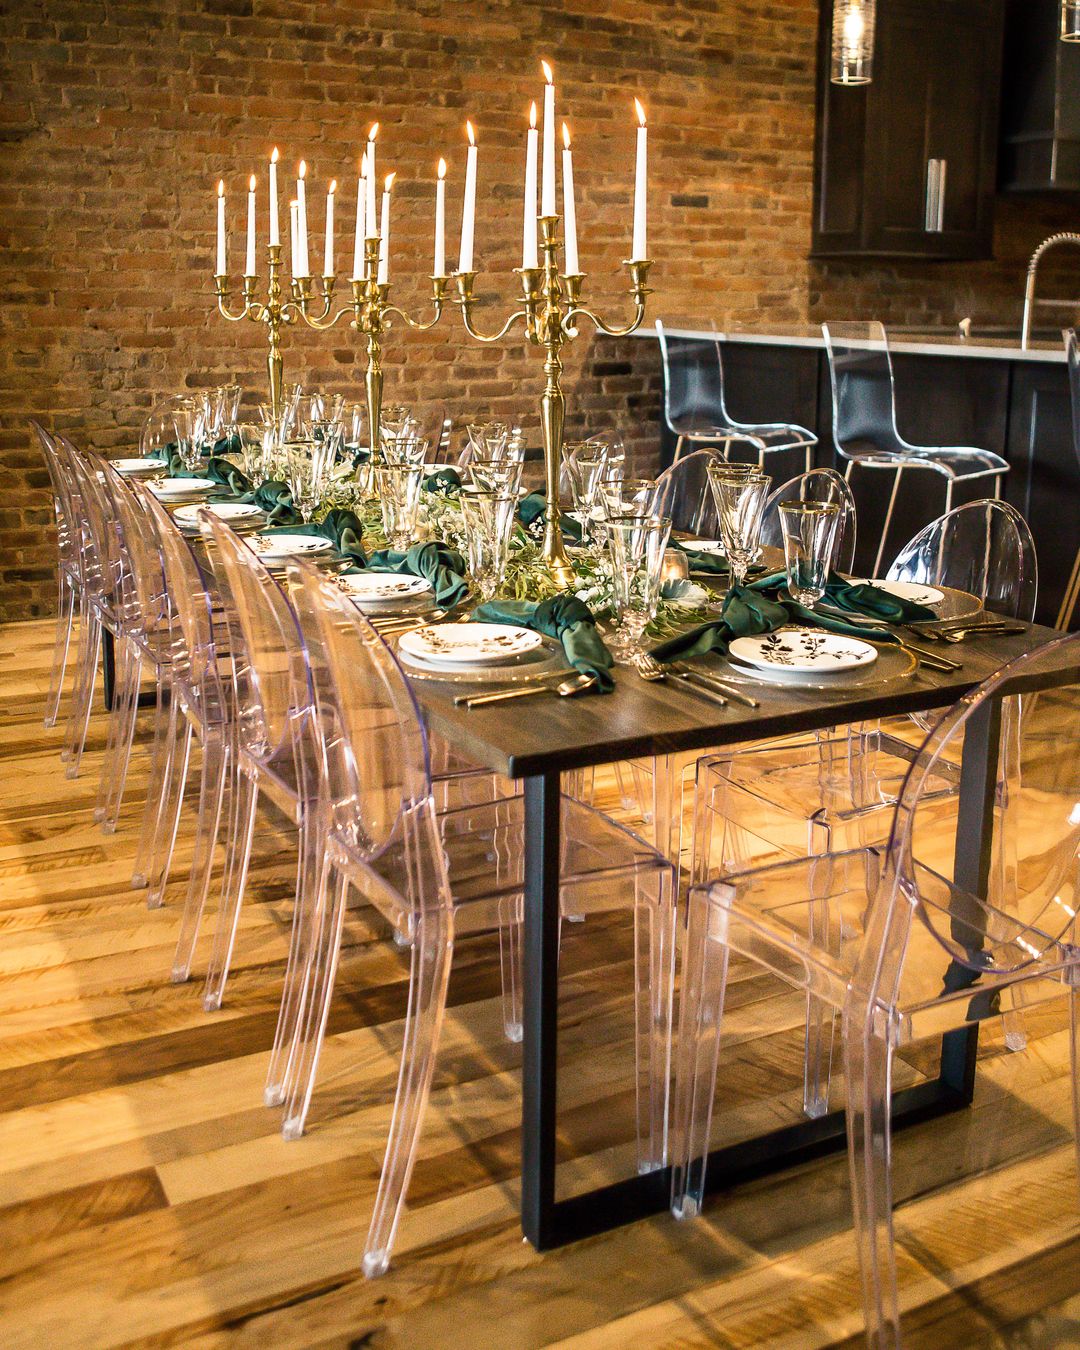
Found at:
(146, 1196)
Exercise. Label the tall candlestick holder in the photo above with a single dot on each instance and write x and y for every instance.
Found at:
(552, 307)
(274, 312)
(371, 312)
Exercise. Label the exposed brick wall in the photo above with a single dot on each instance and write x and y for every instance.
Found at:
(118, 118)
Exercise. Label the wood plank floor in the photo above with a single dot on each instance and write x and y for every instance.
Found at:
(147, 1199)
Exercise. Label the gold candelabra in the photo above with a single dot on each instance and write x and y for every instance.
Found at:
(371, 311)
(552, 307)
(273, 311)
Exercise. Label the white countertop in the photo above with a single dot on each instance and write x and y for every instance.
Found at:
(913, 342)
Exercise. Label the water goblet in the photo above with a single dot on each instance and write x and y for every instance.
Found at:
(810, 530)
(251, 438)
(489, 522)
(188, 422)
(495, 475)
(740, 505)
(398, 489)
(408, 448)
(636, 546)
(615, 457)
(488, 439)
(628, 496)
(302, 473)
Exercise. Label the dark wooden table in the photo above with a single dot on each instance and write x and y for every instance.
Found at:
(641, 719)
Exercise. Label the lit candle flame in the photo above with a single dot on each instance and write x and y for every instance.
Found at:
(389, 181)
(471, 133)
(373, 132)
(302, 170)
(275, 156)
(640, 112)
(442, 168)
(251, 183)
(221, 187)
(566, 135)
(532, 116)
(548, 75)
(333, 186)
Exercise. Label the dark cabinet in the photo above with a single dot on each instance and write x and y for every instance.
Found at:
(905, 166)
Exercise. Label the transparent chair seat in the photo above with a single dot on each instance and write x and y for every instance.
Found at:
(951, 461)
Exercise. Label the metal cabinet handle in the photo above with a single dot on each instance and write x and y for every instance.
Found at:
(934, 219)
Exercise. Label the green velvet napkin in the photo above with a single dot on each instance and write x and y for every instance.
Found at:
(229, 475)
(764, 605)
(275, 498)
(714, 564)
(341, 526)
(446, 481)
(533, 506)
(564, 617)
(443, 566)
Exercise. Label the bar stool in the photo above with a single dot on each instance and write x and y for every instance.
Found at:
(695, 411)
(864, 421)
(1072, 590)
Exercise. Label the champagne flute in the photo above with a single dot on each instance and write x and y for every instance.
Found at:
(636, 545)
(740, 504)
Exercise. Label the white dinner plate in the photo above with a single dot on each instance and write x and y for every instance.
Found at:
(906, 590)
(279, 548)
(236, 513)
(139, 468)
(475, 644)
(377, 590)
(170, 488)
(803, 650)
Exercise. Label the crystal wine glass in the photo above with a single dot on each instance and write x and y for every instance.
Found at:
(810, 530)
(489, 522)
(740, 505)
(636, 546)
(398, 489)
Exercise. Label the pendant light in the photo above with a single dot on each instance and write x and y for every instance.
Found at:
(853, 40)
(1070, 20)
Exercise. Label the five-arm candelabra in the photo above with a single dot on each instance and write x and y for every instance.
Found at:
(552, 307)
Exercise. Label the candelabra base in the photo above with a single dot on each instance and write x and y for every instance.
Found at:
(558, 564)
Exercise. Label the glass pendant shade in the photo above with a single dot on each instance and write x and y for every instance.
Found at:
(1070, 20)
(853, 41)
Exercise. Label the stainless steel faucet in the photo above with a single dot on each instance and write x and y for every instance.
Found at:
(1029, 294)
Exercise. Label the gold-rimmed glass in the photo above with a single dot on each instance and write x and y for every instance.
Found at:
(810, 530)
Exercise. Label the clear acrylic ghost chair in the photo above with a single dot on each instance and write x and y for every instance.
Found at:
(864, 421)
(69, 585)
(603, 867)
(158, 434)
(816, 485)
(683, 495)
(695, 411)
(106, 589)
(192, 704)
(143, 639)
(275, 747)
(837, 790)
(1072, 590)
(904, 942)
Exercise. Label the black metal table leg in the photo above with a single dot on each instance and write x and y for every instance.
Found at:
(541, 1008)
(549, 1223)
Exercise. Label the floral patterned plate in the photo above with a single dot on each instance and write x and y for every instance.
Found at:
(380, 590)
(803, 650)
(477, 644)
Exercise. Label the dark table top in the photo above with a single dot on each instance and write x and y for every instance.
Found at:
(544, 734)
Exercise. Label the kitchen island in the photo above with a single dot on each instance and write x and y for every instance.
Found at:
(950, 390)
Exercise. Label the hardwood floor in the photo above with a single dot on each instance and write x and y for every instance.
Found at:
(147, 1198)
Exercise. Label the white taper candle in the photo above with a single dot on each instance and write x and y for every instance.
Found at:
(361, 209)
(371, 221)
(468, 212)
(528, 224)
(547, 188)
(301, 221)
(569, 208)
(221, 268)
(293, 239)
(639, 252)
(275, 234)
(439, 269)
(249, 264)
(328, 250)
(384, 233)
